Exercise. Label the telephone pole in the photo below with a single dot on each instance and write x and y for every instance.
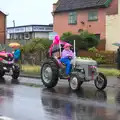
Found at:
(14, 29)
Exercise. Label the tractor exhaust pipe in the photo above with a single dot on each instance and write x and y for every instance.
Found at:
(74, 54)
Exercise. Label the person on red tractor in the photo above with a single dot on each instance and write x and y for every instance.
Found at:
(66, 57)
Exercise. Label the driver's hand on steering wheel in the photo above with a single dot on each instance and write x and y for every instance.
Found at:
(70, 57)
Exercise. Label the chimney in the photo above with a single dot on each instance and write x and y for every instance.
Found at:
(54, 6)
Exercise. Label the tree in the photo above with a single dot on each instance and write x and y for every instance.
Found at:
(84, 40)
(37, 45)
(88, 40)
(65, 35)
(70, 39)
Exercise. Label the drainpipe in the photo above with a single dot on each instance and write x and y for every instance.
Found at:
(4, 41)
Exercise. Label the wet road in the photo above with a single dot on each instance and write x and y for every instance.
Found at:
(29, 103)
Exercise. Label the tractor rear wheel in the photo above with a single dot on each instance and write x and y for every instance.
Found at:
(49, 73)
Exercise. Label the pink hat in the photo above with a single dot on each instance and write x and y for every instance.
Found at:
(67, 45)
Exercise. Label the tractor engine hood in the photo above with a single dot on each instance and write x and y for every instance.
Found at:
(79, 61)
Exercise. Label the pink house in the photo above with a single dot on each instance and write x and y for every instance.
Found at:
(77, 15)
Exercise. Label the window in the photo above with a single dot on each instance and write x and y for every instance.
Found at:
(17, 36)
(92, 15)
(26, 36)
(11, 36)
(22, 36)
(72, 18)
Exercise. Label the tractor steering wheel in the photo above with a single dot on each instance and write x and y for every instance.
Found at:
(70, 57)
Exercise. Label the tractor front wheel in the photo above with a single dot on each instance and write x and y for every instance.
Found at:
(101, 82)
(75, 82)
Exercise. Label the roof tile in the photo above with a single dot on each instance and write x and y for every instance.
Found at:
(67, 5)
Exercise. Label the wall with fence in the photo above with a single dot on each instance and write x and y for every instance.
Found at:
(36, 58)
(100, 57)
(108, 56)
(33, 58)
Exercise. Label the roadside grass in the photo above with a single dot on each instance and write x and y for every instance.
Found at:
(31, 69)
(109, 72)
(35, 69)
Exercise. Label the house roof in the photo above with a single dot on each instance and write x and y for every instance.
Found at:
(68, 5)
(2, 12)
(38, 25)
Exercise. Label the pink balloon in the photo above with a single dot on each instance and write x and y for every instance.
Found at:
(56, 39)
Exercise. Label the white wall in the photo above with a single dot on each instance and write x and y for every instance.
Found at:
(8, 36)
(41, 35)
(113, 30)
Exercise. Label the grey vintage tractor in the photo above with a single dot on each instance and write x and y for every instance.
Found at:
(82, 71)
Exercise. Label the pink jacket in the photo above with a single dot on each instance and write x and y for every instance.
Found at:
(67, 53)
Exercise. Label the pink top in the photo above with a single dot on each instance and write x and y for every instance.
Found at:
(67, 53)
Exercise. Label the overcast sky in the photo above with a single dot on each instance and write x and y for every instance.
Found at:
(26, 12)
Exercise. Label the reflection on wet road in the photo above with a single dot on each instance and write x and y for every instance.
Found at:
(60, 103)
(86, 104)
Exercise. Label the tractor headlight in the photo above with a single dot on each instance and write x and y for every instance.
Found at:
(82, 70)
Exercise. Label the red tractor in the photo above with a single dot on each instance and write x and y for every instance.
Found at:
(7, 65)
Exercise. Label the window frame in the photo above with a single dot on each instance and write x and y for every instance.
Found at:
(72, 18)
(92, 14)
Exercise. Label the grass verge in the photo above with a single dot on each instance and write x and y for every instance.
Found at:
(35, 70)
(110, 71)
(31, 69)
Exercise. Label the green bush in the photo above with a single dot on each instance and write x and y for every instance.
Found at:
(84, 40)
(85, 58)
(93, 49)
(70, 39)
(88, 40)
(104, 57)
(36, 45)
(99, 58)
(65, 35)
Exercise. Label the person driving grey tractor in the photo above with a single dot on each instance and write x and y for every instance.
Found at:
(77, 70)
(66, 57)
